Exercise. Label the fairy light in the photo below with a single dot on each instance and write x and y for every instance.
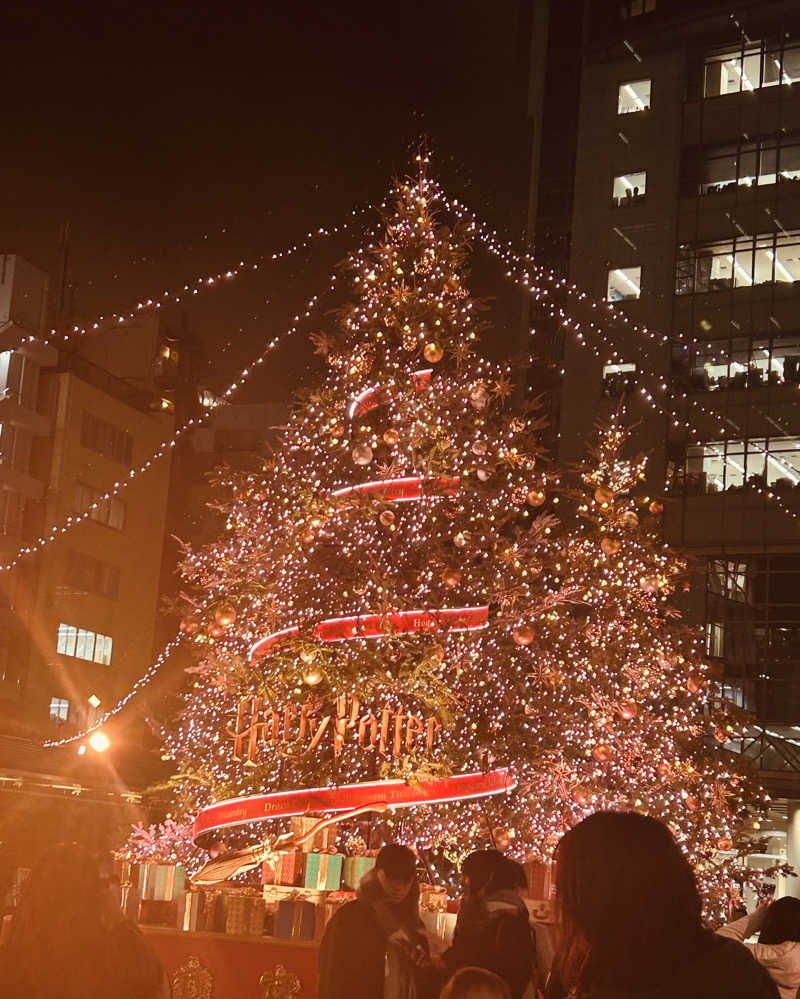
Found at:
(56, 531)
(505, 253)
(582, 680)
(119, 320)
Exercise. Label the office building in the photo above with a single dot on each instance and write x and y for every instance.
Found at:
(685, 214)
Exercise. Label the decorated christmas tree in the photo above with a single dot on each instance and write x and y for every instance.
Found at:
(366, 613)
(394, 627)
(619, 710)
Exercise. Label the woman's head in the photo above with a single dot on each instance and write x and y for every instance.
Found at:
(478, 869)
(60, 921)
(629, 903)
(782, 922)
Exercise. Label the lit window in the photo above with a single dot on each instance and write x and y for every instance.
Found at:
(634, 96)
(738, 263)
(84, 644)
(618, 378)
(59, 709)
(624, 283)
(102, 650)
(94, 700)
(751, 66)
(66, 640)
(628, 187)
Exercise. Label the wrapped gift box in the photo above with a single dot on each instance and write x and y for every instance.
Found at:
(161, 882)
(432, 898)
(158, 912)
(541, 881)
(190, 911)
(291, 868)
(322, 842)
(245, 915)
(354, 869)
(269, 873)
(323, 871)
(295, 919)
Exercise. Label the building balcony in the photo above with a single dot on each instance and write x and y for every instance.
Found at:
(14, 413)
(21, 482)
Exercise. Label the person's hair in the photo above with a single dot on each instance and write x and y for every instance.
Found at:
(56, 944)
(397, 862)
(479, 867)
(475, 983)
(509, 875)
(630, 909)
(782, 922)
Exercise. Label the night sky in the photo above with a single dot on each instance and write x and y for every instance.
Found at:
(177, 140)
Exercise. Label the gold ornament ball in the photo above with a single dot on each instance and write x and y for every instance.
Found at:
(188, 626)
(695, 683)
(215, 630)
(501, 837)
(225, 615)
(603, 494)
(390, 437)
(386, 517)
(602, 752)
(691, 802)
(656, 507)
(610, 545)
(460, 540)
(649, 584)
(524, 635)
(629, 519)
(663, 769)
(535, 497)
(582, 795)
(725, 843)
(478, 397)
(451, 577)
(479, 447)
(433, 352)
(362, 454)
(337, 430)
(517, 425)
(312, 677)
(628, 709)
(483, 474)
(307, 537)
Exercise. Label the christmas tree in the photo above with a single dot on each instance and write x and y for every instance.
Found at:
(366, 613)
(619, 711)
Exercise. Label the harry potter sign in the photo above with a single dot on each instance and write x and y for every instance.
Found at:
(304, 728)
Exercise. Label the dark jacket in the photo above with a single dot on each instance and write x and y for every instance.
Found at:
(503, 944)
(723, 969)
(352, 955)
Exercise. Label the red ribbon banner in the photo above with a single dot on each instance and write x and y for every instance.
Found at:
(376, 394)
(379, 795)
(398, 490)
(342, 629)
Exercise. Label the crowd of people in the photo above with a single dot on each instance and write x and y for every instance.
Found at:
(629, 926)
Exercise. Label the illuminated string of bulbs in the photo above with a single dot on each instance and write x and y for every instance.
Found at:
(506, 253)
(58, 530)
(143, 681)
(196, 285)
(508, 256)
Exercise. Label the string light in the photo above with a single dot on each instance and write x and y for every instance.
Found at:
(56, 531)
(118, 320)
